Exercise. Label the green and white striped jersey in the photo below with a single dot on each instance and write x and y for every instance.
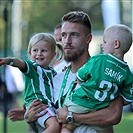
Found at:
(103, 78)
(38, 83)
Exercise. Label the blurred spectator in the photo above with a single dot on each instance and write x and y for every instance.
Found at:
(57, 32)
(18, 78)
(2, 90)
(60, 64)
(13, 84)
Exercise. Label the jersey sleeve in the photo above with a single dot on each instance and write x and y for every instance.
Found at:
(31, 68)
(87, 69)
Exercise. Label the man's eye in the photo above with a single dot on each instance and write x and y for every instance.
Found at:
(75, 34)
(63, 35)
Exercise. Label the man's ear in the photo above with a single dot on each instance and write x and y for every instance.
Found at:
(89, 38)
(117, 44)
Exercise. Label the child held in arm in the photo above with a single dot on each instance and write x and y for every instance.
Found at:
(38, 74)
(103, 78)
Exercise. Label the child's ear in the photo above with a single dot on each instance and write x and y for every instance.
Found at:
(117, 44)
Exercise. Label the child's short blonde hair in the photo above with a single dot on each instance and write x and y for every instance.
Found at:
(122, 33)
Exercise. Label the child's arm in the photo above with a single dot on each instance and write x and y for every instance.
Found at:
(15, 62)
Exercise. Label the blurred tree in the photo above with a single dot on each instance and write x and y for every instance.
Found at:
(42, 16)
(5, 24)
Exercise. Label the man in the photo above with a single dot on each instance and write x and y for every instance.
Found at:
(57, 32)
(76, 36)
(59, 65)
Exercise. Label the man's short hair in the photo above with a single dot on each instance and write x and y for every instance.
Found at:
(78, 17)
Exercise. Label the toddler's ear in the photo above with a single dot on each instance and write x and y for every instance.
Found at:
(117, 44)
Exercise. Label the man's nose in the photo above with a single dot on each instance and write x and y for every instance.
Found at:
(68, 39)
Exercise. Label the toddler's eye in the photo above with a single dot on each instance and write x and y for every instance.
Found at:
(35, 50)
(44, 50)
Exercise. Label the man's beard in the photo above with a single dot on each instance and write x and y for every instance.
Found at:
(73, 56)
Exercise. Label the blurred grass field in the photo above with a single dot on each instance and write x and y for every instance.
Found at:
(125, 126)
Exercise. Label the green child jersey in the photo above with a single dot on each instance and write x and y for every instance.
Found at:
(103, 78)
(38, 83)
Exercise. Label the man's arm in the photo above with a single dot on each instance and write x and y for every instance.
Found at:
(33, 111)
(16, 114)
(108, 116)
(31, 114)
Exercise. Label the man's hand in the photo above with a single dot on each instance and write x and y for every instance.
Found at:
(16, 114)
(33, 111)
(61, 114)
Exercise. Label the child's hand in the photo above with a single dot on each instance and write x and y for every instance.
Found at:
(4, 61)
